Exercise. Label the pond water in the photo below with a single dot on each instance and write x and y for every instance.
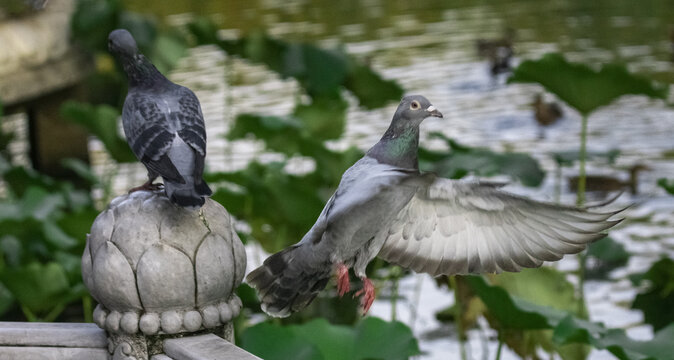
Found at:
(429, 48)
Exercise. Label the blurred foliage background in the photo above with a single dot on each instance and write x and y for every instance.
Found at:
(337, 62)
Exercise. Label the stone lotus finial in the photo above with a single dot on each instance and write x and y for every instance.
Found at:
(158, 268)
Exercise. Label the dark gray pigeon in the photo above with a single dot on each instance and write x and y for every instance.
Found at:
(163, 125)
(385, 207)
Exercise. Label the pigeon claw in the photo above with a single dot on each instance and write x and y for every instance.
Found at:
(148, 186)
(368, 295)
(343, 285)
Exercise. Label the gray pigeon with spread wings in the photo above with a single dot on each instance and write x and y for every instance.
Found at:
(385, 207)
(163, 125)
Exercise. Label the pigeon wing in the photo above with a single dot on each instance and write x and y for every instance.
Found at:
(191, 127)
(453, 227)
(149, 135)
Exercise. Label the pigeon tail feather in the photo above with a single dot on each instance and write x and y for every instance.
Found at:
(286, 283)
(186, 195)
(203, 189)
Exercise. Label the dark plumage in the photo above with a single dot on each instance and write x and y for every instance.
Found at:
(384, 206)
(498, 52)
(163, 125)
(545, 114)
(606, 184)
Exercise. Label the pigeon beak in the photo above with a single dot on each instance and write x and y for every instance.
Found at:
(432, 111)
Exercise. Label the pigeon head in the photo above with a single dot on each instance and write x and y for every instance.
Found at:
(120, 42)
(398, 146)
(140, 71)
(413, 109)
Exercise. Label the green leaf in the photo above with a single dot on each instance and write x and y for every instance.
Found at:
(542, 286)
(290, 137)
(168, 49)
(77, 224)
(324, 118)
(580, 86)
(513, 312)
(369, 87)
(273, 342)
(36, 286)
(40, 204)
(100, 121)
(667, 184)
(605, 255)
(11, 250)
(333, 342)
(656, 301)
(372, 338)
(19, 179)
(615, 340)
(93, 20)
(82, 170)
(520, 314)
(321, 72)
(280, 207)
(378, 339)
(462, 160)
(56, 237)
(72, 265)
(143, 29)
(279, 134)
(6, 299)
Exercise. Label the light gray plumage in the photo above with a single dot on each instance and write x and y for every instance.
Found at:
(163, 124)
(384, 206)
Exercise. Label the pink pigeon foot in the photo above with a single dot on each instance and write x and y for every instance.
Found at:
(343, 285)
(368, 295)
(149, 186)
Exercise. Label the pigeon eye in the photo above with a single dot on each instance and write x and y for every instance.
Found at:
(415, 105)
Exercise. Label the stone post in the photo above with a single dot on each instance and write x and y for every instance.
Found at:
(159, 272)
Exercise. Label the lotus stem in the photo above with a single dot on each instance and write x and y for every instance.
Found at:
(558, 183)
(394, 298)
(498, 350)
(580, 201)
(580, 197)
(458, 316)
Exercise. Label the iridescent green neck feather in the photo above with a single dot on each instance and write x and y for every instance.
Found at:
(398, 147)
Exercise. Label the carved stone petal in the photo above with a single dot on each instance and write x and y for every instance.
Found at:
(113, 279)
(101, 230)
(240, 258)
(88, 270)
(215, 270)
(133, 235)
(217, 218)
(183, 230)
(165, 279)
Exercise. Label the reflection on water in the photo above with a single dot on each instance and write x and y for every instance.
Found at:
(428, 46)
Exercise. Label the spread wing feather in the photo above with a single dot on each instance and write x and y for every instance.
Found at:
(455, 227)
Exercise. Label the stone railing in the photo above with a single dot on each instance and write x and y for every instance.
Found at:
(164, 278)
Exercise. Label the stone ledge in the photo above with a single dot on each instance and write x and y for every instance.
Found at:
(78, 341)
(76, 335)
(51, 353)
(205, 347)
